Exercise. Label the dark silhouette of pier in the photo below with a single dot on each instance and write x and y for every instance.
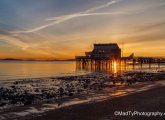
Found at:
(108, 56)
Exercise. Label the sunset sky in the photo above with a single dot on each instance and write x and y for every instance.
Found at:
(61, 29)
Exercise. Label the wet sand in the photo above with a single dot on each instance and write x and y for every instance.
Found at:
(44, 95)
(152, 100)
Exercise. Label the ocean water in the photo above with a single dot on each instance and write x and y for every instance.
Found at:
(36, 69)
(32, 69)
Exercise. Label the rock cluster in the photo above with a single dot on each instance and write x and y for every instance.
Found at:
(28, 91)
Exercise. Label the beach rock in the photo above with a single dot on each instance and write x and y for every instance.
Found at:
(2, 103)
(28, 102)
(71, 94)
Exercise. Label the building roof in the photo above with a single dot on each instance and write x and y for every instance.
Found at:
(106, 47)
(105, 44)
(104, 51)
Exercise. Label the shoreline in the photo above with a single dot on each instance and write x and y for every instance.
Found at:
(37, 110)
(28, 91)
(73, 90)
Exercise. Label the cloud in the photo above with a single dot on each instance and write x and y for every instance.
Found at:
(60, 19)
(85, 14)
(27, 48)
(14, 41)
(68, 17)
(101, 6)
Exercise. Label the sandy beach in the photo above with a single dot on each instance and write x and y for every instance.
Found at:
(92, 96)
(148, 101)
(142, 97)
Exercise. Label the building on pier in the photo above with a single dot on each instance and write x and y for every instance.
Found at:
(103, 52)
(107, 56)
(101, 57)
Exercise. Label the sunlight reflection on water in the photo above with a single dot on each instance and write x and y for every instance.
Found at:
(31, 69)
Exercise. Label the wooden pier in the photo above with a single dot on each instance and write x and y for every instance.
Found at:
(106, 56)
(108, 64)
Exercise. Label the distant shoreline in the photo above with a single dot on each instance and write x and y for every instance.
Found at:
(34, 60)
(15, 59)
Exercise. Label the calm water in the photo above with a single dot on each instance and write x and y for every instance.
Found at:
(31, 69)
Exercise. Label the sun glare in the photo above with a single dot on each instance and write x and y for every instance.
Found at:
(115, 66)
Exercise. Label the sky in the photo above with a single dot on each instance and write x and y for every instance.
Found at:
(61, 29)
